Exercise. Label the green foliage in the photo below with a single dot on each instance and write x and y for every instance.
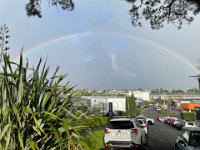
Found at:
(95, 140)
(193, 90)
(167, 102)
(4, 36)
(36, 112)
(121, 113)
(161, 90)
(95, 122)
(177, 91)
(188, 116)
(131, 109)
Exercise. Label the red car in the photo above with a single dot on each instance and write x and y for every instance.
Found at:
(171, 121)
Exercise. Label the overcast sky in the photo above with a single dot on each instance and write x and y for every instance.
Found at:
(97, 46)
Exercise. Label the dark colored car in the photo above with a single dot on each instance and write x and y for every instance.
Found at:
(180, 125)
(189, 139)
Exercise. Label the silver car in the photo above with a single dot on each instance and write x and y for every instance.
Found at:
(189, 139)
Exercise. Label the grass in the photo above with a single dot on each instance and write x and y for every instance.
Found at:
(98, 135)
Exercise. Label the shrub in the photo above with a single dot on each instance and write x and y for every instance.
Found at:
(36, 112)
(188, 116)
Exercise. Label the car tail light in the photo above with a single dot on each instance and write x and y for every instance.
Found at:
(105, 145)
(136, 146)
(106, 130)
(144, 126)
(134, 130)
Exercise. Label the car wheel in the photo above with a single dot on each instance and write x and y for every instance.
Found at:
(142, 145)
(150, 123)
(176, 148)
(146, 139)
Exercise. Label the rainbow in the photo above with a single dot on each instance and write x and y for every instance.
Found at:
(58, 39)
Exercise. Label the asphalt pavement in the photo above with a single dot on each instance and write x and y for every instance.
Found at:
(161, 135)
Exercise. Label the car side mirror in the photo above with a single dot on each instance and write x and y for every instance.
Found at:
(182, 142)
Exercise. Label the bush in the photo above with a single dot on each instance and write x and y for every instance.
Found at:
(95, 122)
(36, 112)
(188, 116)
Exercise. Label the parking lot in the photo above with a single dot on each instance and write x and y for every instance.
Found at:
(161, 135)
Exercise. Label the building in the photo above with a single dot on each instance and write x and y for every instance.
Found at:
(179, 102)
(174, 96)
(190, 106)
(102, 102)
(140, 95)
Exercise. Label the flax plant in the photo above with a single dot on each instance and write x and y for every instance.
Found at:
(36, 112)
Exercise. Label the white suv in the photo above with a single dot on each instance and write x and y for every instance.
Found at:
(124, 133)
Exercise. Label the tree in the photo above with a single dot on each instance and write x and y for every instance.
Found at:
(161, 90)
(194, 90)
(159, 12)
(177, 91)
(33, 8)
(131, 105)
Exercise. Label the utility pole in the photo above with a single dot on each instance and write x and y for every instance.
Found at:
(198, 79)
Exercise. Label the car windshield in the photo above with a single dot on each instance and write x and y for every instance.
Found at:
(140, 121)
(181, 121)
(195, 138)
(121, 125)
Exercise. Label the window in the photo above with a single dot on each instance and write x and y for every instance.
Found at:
(137, 123)
(140, 121)
(120, 125)
(195, 138)
(191, 123)
(185, 134)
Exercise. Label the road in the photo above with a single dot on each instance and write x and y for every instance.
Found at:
(161, 136)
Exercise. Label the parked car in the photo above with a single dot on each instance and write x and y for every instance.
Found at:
(171, 121)
(149, 120)
(166, 119)
(177, 121)
(184, 123)
(124, 133)
(189, 139)
(180, 124)
(161, 119)
(191, 124)
(144, 125)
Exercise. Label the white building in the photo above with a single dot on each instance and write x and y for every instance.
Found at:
(119, 103)
(141, 95)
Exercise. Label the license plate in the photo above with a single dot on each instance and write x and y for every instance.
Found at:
(119, 134)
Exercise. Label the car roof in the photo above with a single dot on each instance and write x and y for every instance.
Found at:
(192, 128)
(168, 117)
(121, 119)
(141, 116)
(140, 119)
